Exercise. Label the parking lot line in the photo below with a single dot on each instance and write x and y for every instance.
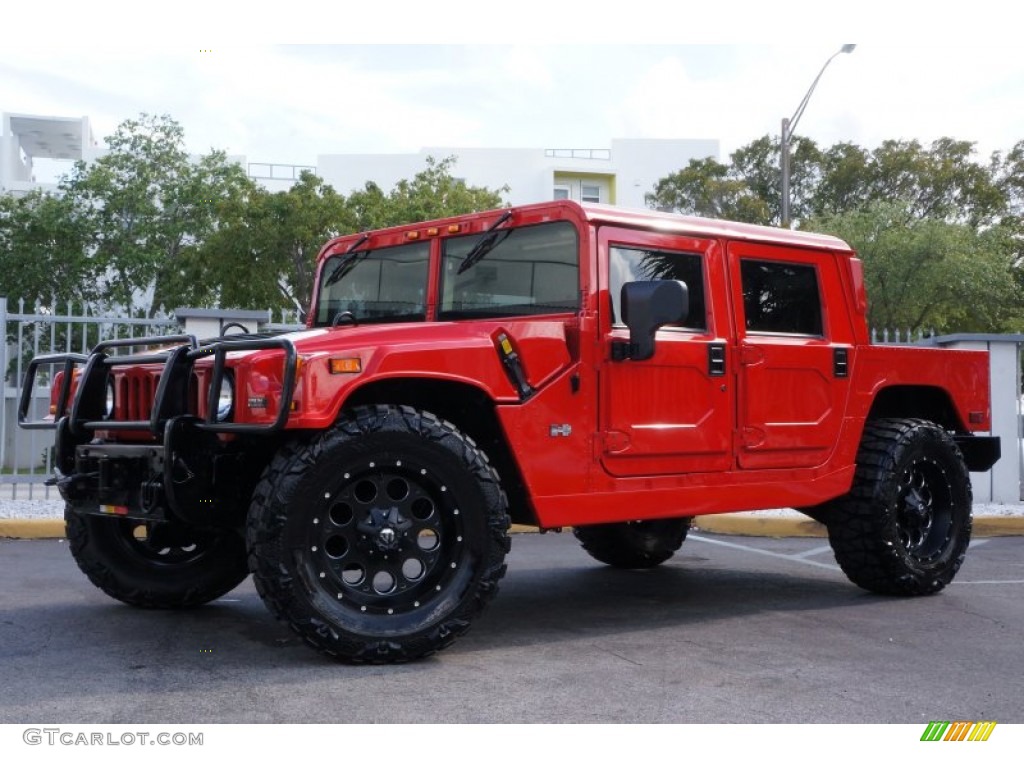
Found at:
(813, 552)
(743, 547)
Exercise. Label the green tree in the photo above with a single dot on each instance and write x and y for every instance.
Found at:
(747, 189)
(44, 251)
(940, 231)
(263, 251)
(706, 188)
(941, 182)
(845, 180)
(433, 193)
(196, 210)
(147, 205)
(929, 274)
(1008, 175)
(757, 166)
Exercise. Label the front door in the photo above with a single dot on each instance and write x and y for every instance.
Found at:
(673, 413)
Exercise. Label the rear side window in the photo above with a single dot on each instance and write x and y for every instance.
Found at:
(780, 297)
(628, 264)
(526, 271)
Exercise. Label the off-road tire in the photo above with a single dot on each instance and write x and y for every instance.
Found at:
(905, 525)
(126, 559)
(638, 544)
(380, 539)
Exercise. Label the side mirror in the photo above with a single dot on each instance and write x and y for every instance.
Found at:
(646, 306)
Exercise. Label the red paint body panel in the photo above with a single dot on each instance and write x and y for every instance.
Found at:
(774, 421)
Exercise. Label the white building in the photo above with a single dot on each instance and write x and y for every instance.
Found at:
(621, 175)
(25, 140)
(35, 150)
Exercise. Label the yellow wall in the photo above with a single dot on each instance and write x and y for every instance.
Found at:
(569, 178)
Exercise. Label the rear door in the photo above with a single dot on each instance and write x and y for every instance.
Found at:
(792, 372)
(673, 413)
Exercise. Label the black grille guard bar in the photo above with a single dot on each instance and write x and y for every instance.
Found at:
(171, 397)
(219, 351)
(69, 360)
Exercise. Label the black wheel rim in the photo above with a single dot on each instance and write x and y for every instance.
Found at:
(925, 511)
(385, 538)
(160, 543)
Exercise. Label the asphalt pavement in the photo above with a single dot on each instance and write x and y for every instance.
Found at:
(731, 630)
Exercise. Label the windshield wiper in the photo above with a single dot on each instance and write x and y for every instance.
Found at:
(348, 261)
(486, 244)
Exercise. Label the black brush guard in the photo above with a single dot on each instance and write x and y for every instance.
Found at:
(186, 474)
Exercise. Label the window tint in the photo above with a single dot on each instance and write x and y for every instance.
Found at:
(628, 264)
(381, 285)
(780, 297)
(528, 271)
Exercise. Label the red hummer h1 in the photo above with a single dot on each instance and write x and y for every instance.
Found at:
(557, 365)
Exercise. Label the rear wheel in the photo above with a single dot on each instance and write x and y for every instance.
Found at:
(155, 565)
(381, 539)
(904, 527)
(637, 544)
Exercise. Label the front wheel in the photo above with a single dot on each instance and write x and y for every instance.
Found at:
(904, 527)
(155, 565)
(382, 538)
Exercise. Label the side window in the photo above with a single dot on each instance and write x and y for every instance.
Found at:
(780, 297)
(628, 264)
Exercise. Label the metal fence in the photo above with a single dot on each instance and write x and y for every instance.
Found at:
(25, 456)
(896, 336)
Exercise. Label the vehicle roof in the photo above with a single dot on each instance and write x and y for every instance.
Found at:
(698, 225)
(637, 219)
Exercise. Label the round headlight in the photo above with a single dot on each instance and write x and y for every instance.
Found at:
(226, 397)
(108, 408)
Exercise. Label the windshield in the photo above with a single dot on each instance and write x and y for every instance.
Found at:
(525, 271)
(377, 286)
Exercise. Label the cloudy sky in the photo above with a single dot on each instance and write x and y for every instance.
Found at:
(528, 85)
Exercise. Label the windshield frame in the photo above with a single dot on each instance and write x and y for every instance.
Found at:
(437, 234)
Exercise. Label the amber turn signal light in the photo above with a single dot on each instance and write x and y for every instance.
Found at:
(345, 365)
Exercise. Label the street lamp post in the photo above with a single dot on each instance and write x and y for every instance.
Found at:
(789, 125)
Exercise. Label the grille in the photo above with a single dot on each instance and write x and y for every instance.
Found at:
(135, 393)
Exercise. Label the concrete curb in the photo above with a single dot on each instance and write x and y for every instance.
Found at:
(32, 529)
(985, 526)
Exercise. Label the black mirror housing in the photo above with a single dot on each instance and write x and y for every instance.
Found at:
(646, 306)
